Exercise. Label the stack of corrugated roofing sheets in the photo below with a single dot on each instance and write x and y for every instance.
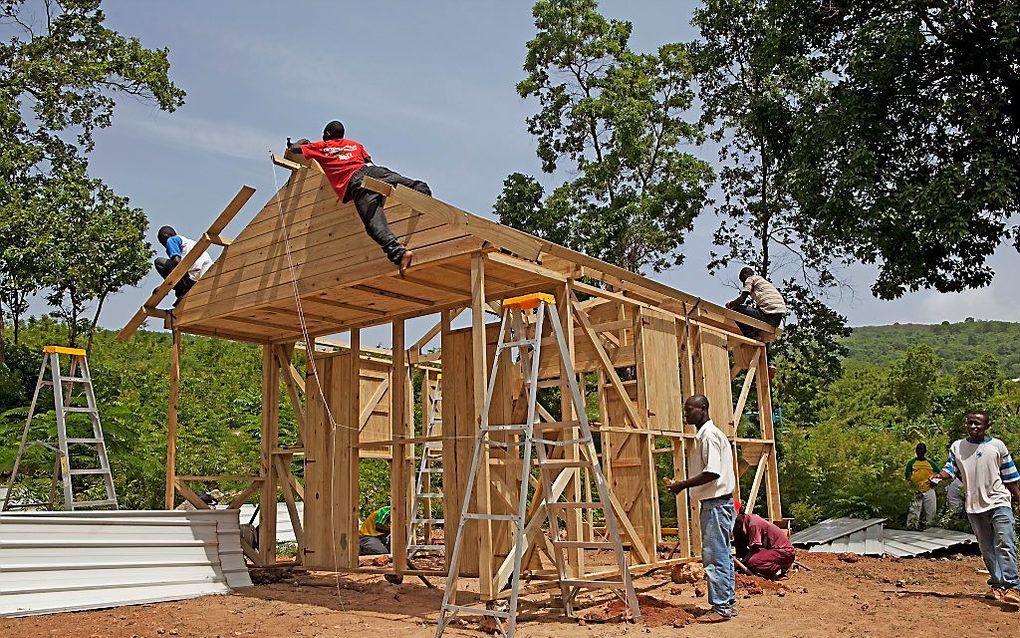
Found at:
(868, 537)
(69, 561)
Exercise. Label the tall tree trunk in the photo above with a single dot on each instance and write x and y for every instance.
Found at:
(1, 334)
(765, 210)
(95, 320)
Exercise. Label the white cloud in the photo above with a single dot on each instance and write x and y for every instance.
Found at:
(218, 138)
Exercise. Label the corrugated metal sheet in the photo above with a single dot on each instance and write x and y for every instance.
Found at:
(68, 561)
(284, 528)
(832, 529)
(866, 542)
(906, 543)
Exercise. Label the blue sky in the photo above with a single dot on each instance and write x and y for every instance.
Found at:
(427, 87)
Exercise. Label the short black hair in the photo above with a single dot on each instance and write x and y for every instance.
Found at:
(921, 447)
(982, 412)
(746, 272)
(698, 400)
(333, 131)
(165, 233)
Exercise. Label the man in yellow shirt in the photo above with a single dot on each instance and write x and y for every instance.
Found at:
(919, 473)
(375, 533)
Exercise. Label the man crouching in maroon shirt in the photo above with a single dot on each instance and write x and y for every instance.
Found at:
(346, 163)
(763, 547)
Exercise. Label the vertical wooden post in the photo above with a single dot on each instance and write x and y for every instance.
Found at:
(171, 416)
(270, 440)
(768, 432)
(483, 482)
(575, 557)
(350, 469)
(399, 467)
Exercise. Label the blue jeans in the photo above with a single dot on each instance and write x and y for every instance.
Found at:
(717, 516)
(994, 531)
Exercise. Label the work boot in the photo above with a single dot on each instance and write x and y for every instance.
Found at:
(405, 261)
(1010, 596)
(994, 594)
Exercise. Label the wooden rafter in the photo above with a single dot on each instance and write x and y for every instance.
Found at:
(182, 268)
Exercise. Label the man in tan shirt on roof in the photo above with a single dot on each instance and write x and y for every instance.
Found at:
(768, 306)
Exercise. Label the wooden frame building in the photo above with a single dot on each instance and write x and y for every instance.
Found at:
(303, 268)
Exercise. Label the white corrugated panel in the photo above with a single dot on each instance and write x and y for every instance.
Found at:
(284, 527)
(67, 561)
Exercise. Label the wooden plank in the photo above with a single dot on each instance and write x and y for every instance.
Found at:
(607, 364)
(480, 381)
(190, 495)
(380, 292)
(292, 380)
(347, 485)
(568, 412)
(187, 261)
(286, 163)
(745, 390)
(400, 467)
(171, 417)
(373, 402)
(775, 509)
(288, 496)
(270, 440)
(759, 473)
(243, 496)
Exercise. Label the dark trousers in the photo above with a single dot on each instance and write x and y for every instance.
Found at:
(164, 267)
(772, 319)
(373, 545)
(370, 209)
(771, 562)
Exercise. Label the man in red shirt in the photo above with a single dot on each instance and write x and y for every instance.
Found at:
(763, 547)
(346, 163)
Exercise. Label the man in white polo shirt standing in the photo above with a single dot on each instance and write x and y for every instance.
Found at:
(991, 478)
(712, 482)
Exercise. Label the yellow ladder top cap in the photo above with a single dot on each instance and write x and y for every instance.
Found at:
(527, 302)
(78, 352)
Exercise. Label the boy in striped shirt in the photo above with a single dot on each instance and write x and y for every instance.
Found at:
(993, 489)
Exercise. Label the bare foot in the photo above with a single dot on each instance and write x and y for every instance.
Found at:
(405, 261)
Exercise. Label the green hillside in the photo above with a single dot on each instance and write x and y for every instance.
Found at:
(955, 343)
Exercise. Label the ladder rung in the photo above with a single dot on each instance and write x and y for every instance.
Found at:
(481, 611)
(592, 583)
(430, 521)
(432, 470)
(83, 471)
(516, 344)
(515, 427)
(575, 506)
(513, 518)
(431, 495)
(84, 441)
(75, 379)
(105, 501)
(587, 544)
(426, 547)
(81, 410)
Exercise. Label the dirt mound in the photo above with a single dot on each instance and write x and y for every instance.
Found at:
(687, 573)
(654, 613)
(755, 585)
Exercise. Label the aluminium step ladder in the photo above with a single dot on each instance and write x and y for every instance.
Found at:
(521, 329)
(63, 392)
(428, 486)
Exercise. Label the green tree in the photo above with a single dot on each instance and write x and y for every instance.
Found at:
(755, 77)
(617, 117)
(98, 246)
(909, 154)
(22, 254)
(975, 385)
(912, 381)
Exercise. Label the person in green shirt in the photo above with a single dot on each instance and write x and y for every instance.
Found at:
(919, 472)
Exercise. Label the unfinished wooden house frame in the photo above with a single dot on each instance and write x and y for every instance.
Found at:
(303, 267)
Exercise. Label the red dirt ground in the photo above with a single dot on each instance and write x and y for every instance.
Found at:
(835, 598)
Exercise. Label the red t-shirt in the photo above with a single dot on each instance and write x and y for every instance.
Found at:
(339, 159)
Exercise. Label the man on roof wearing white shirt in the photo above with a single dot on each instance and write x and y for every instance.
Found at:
(769, 306)
(177, 246)
(992, 482)
(712, 482)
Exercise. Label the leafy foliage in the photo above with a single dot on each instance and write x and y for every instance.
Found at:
(617, 117)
